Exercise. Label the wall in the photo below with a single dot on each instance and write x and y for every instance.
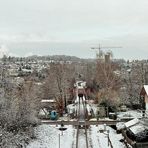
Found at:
(146, 101)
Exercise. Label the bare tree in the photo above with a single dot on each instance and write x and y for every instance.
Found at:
(20, 105)
(133, 81)
(108, 81)
(58, 84)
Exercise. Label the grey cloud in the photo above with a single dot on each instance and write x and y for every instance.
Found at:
(70, 22)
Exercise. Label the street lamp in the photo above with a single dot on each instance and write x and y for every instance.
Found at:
(61, 128)
(106, 132)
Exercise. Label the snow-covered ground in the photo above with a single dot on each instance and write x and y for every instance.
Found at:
(130, 113)
(48, 137)
(100, 139)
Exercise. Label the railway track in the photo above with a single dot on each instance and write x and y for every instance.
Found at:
(86, 136)
(82, 129)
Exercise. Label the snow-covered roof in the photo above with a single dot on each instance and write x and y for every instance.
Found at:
(48, 101)
(137, 128)
(146, 89)
(120, 125)
(80, 84)
(129, 114)
(80, 87)
(132, 122)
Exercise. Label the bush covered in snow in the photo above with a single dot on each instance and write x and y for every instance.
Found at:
(19, 103)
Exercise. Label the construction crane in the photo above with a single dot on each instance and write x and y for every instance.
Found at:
(101, 53)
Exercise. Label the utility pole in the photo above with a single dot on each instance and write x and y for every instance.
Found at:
(59, 140)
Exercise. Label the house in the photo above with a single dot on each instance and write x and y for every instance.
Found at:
(50, 103)
(135, 132)
(144, 97)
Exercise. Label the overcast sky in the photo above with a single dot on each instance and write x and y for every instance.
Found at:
(71, 27)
